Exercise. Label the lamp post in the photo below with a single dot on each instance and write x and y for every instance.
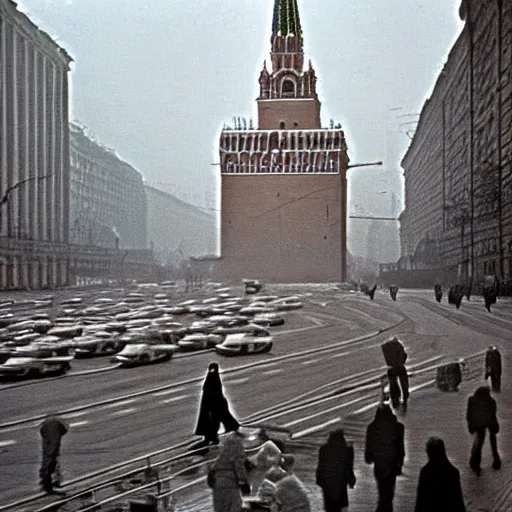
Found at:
(9, 190)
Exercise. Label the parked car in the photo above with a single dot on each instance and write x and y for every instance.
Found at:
(244, 344)
(268, 319)
(38, 361)
(88, 346)
(254, 329)
(142, 353)
(200, 341)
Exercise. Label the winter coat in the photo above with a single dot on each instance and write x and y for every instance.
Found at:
(492, 362)
(394, 353)
(229, 469)
(52, 429)
(384, 446)
(335, 468)
(439, 488)
(481, 411)
(214, 407)
(291, 495)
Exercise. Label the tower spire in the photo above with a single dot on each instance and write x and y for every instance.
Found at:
(286, 18)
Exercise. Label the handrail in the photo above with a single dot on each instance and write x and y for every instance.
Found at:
(366, 384)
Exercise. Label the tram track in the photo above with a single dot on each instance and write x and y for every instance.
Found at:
(287, 407)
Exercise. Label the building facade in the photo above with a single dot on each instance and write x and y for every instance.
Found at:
(458, 168)
(178, 230)
(108, 205)
(283, 185)
(34, 152)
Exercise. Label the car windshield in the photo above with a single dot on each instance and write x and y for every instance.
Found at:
(131, 350)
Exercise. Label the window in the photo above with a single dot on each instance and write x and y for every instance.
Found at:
(288, 88)
(282, 125)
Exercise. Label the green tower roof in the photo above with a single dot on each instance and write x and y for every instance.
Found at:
(286, 18)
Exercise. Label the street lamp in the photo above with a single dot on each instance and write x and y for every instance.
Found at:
(9, 190)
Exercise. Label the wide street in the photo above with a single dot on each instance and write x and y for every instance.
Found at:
(152, 418)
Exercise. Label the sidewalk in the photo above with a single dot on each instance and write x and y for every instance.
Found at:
(430, 413)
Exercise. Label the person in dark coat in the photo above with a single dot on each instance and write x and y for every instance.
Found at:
(481, 416)
(396, 356)
(438, 292)
(52, 430)
(335, 471)
(439, 488)
(493, 368)
(214, 408)
(371, 291)
(489, 294)
(393, 290)
(384, 448)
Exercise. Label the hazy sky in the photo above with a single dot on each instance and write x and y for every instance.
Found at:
(157, 80)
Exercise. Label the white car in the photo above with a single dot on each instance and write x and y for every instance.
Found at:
(268, 319)
(244, 344)
(141, 353)
(200, 341)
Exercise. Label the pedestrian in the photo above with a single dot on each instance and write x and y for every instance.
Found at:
(335, 471)
(214, 408)
(489, 294)
(291, 494)
(228, 476)
(266, 494)
(371, 291)
(481, 416)
(438, 292)
(493, 368)
(52, 430)
(439, 488)
(384, 448)
(395, 357)
(393, 290)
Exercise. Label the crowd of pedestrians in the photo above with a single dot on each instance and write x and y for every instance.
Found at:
(280, 490)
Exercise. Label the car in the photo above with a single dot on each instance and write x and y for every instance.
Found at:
(137, 354)
(200, 341)
(37, 360)
(244, 344)
(88, 346)
(254, 329)
(268, 319)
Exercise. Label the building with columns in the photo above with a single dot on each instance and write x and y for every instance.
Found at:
(108, 204)
(34, 153)
(458, 168)
(283, 184)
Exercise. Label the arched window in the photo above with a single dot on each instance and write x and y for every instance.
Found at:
(282, 125)
(287, 88)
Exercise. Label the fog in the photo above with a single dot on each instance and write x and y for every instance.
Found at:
(157, 80)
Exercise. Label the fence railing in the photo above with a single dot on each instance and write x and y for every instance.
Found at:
(155, 488)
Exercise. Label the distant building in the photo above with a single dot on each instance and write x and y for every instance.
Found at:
(34, 153)
(458, 168)
(108, 205)
(283, 185)
(178, 230)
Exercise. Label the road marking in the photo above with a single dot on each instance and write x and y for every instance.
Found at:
(10, 442)
(316, 428)
(76, 414)
(238, 381)
(166, 392)
(117, 404)
(124, 411)
(173, 399)
(310, 361)
(78, 423)
(342, 354)
(272, 372)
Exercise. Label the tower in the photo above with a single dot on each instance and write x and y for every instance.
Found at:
(283, 185)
